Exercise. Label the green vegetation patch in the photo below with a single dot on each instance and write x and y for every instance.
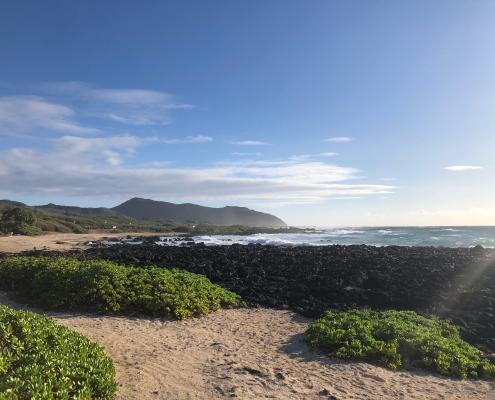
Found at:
(18, 221)
(399, 339)
(42, 360)
(103, 286)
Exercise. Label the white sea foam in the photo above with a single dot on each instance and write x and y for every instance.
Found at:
(375, 236)
(389, 232)
(447, 229)
(344, 232)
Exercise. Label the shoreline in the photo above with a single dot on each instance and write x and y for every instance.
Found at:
(75, 241)
(62, 241)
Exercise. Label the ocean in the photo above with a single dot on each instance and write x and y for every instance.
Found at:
(453, 236)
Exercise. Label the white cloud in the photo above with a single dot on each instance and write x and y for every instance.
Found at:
(310, 156)
(300, 171)
(71, 101)
(339, 139)
(23, 113)
(462, 168)
(134, 97)
(124, 120)
(112, 149)
(94, 168)
(249, 143)
(302, 157)
(387, 179)
(160, 163)
(129, 106)
(190, 139)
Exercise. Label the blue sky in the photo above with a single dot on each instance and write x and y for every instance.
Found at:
(326, 113)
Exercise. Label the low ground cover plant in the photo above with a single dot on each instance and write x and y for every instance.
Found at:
(103, 286)
(397, 339)
(42, 360)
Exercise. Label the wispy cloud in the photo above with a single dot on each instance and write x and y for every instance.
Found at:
(96, 168)
(112, 149)
(128, 106)
(249, 143)
(310, 156)
(190, 139)
(387, 179)
(339, 139)
(462, 168)
(24, 113)
(70, 102)
(160, 163)
(246, 154)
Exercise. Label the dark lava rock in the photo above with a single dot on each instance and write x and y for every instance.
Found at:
(455, 283)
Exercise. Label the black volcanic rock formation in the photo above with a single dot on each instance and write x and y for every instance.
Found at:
(150, 209)
(455, 283)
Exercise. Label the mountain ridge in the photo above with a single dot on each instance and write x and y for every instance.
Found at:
(139, 208)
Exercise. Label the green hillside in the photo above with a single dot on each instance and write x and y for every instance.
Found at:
(49, 221)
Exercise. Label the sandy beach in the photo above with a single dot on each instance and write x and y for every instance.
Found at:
(245, 353)
(60, 242)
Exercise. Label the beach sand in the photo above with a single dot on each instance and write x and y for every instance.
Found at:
(66, 241)
(244, 354)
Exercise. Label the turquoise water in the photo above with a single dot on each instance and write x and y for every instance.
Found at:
(453, 236)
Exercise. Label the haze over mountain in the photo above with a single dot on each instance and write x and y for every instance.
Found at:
(151, 209)
(138, 208)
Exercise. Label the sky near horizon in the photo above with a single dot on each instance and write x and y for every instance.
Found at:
(323, 113)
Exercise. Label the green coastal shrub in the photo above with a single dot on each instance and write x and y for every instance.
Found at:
(103, 286)
(42, 360)
(399, 339)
